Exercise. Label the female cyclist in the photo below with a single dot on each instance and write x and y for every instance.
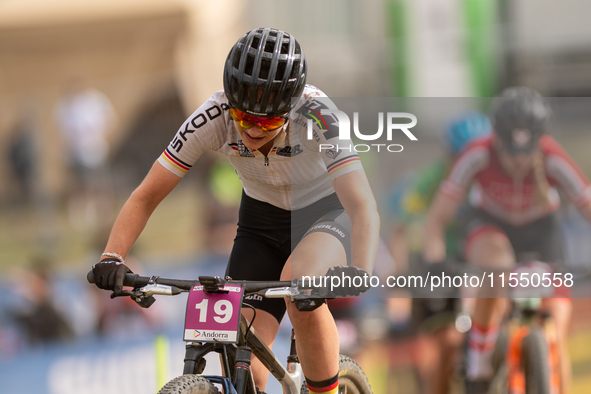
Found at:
(303, 210)
(512, 178)
(438, 338)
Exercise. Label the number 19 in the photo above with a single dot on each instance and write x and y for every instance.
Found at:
(222, 308)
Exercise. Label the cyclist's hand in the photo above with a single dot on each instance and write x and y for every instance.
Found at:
(347, 281)
(445, 266)
(109, 274)
(438, 269)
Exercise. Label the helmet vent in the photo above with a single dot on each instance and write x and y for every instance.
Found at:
(267, 61)
(249, 65)
(280, 71)
(236, 59)
(270, 46)
(295, 69)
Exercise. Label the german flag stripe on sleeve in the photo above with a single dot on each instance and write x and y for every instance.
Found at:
(344, 162)
(175, 161)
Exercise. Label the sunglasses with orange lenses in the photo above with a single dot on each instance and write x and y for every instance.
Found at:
(265, 124)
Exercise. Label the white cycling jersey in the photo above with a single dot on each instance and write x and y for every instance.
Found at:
(295, 173)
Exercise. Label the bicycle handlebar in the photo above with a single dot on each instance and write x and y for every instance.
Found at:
(135, 280)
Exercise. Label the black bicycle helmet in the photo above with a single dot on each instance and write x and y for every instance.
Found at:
(520, 117)
(267, 59)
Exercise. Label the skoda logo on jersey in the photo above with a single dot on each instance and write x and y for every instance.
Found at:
(321, 113)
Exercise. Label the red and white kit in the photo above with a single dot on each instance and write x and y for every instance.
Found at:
(514, 201)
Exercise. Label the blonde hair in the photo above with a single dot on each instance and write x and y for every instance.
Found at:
(539, 170)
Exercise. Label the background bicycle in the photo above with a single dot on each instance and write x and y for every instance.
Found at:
(527, 357)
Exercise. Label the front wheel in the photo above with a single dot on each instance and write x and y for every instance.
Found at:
(352, 380)
(535, 363)
(189, 384)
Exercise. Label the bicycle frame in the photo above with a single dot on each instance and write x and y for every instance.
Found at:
(290, 379)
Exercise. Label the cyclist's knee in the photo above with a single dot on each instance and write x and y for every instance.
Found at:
(448, 337)
(560, 309)
(491, 249)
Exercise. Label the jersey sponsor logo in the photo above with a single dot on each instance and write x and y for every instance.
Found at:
(241, 149)
(195, 123)
(289, 151)
(313, 110)
(332, 153)
(326, 227)
(316, 136)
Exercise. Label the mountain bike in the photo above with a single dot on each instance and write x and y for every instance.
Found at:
(526, 358)
(214, 323)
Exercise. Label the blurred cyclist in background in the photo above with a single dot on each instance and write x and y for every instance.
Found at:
(434, 317)
(512, 178)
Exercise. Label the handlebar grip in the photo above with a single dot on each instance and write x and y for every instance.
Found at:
(130, 280)
(90, 277)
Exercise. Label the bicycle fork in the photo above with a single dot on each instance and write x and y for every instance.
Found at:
(292, 375)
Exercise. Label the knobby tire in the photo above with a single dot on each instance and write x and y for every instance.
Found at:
(535, 363)
(189, 384)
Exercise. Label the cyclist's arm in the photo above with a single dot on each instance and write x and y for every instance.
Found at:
(561, 168)
(586, 212)
(357, 198)
(449, 197)
(139, 207)
(442, 211)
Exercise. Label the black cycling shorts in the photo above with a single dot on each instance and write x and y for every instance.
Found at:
(540, 240)
(267, 235)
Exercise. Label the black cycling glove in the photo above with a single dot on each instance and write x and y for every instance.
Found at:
(347, 281)
(109, 274)
(437, 279)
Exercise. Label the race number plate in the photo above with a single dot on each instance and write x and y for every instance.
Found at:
(213, 317)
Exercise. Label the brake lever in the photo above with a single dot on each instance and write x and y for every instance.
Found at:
(309, 302)
(126, 293)
(137, 296)
(144, 302)
(300, 292)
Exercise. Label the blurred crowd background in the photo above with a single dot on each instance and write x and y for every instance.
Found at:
(92, 92)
